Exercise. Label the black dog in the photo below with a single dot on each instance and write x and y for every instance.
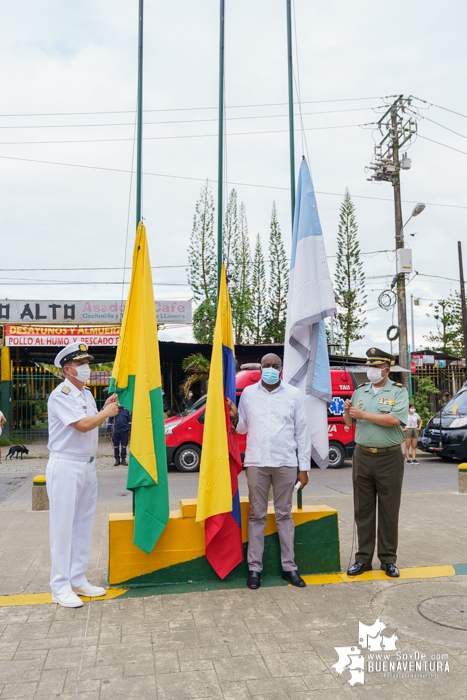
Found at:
(19, 449)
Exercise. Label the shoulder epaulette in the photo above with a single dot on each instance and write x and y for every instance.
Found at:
(363, 384)
(397, 384)
(65, 389)
(86, 387)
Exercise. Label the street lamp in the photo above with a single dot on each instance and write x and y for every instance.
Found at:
(418, 208)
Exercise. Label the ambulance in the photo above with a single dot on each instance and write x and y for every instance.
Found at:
(184, 433)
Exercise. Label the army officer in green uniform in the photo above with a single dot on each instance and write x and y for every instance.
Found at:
(379, 409)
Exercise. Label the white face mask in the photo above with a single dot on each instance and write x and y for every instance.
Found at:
(84, 373)
(374, 375)
(412, 410)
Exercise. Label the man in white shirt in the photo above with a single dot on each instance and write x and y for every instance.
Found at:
(273, 415)
(71, 475)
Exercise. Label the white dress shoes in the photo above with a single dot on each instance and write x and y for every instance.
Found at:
(68, 600)
(90, 591)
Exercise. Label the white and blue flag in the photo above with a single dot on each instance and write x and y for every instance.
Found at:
(311, 299)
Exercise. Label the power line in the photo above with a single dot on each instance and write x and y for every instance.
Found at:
(70, 269)
(190, 109)
(459, 114)
(442, 144)
(451, 279)
(182, 136)
(239, 184)
(176, 121)
(153, 267)
(444, 127)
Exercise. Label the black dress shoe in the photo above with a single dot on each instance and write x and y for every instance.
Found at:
(391, 570)
(294, 578)
(254, 580)
(116, 463)
(358, 568)
(124, 463)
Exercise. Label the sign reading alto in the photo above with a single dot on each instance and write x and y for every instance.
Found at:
(48, 336)
(74, 312)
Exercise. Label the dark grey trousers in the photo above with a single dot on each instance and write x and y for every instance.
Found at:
(377, 477)
(259, 481)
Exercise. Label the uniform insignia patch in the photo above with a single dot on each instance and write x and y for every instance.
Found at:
(65, 389)
(388, 402)
(83, 348)
(373, 351)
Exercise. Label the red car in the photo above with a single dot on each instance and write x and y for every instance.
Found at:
(184, 433)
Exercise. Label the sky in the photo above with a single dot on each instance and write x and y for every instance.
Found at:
(69, 87)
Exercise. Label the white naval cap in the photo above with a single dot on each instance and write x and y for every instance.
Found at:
(75, 351)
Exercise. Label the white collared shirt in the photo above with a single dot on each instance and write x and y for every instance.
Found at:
(276, 425)
(66, 405)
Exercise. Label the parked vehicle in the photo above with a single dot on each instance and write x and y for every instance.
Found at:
(446, 433)
(184, 433)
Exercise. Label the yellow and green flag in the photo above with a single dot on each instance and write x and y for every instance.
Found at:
(136, 378)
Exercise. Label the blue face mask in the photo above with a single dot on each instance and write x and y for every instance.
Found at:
(269, 375)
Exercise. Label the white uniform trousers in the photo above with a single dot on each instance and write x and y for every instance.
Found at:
(72, 492)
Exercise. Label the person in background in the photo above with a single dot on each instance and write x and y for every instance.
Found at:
(119, 428)
(2, 423)
(446, 398)
(165, 405)
(188, 402)
(412, 433)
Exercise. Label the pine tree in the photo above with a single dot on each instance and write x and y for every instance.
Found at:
(274, 329)
(241, 273)
(449, 337)
(349, 277)
(230, 236)
(202, 270)
(258, 293)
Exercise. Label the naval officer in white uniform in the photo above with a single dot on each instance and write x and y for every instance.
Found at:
(71, 475)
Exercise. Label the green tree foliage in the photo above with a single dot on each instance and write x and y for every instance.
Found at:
(449, 335)
(258, 293)
(230, 236)
(241, 291)
(196, 367)
(422, 398)
(202, 267)
(274, 327)
(349, 277)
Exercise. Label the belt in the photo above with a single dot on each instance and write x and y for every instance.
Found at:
(68, 456)
(374, 450)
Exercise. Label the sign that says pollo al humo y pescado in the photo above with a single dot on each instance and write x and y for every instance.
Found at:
(88, 312)
(58, 336)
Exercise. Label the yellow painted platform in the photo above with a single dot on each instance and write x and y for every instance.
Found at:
(379, 575)
(183, 539)
(44, 598)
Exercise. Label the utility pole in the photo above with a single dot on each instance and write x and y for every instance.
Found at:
(401, 298)
(387, 164)
(413, 329)
(464, 310)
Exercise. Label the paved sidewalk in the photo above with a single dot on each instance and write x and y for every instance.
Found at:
(274, 643)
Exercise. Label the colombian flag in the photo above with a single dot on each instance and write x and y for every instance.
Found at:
(136, 378)
(218, 497)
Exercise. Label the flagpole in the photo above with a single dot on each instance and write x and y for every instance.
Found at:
(291, 115)
(292, 147)
(220, 175)
(139, 131)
